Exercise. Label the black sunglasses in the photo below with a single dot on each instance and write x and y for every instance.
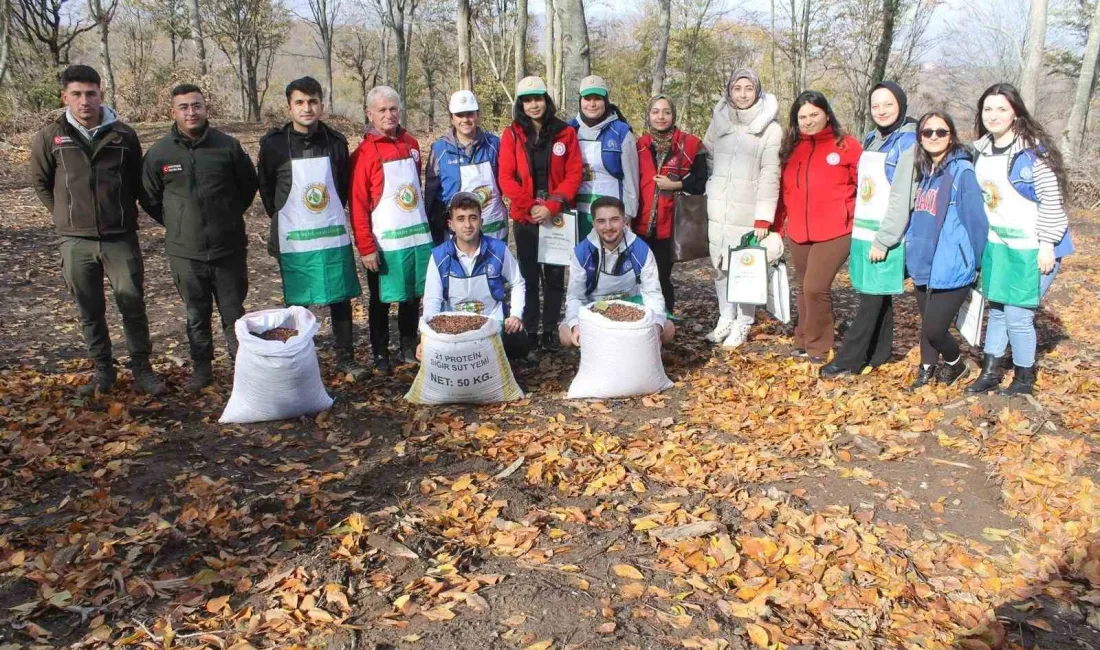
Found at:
(939, 133)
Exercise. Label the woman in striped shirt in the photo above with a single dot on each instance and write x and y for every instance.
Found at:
(1023, 184)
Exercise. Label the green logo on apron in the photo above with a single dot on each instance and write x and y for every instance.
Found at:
(315, 197)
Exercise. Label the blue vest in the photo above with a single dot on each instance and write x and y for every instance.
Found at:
(1022, 176)
(611, 145)
(632, 260)
(490, 263)
(451, 156)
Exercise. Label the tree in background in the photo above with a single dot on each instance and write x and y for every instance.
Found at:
(1036, 43)
(1074, 133)
(249, 33)
(435, 56)
(323, 15)
(660, 57)
(103, 12)
(462, 26)
(398, 17)
(196, 36)
(360, 53)
(50, 25)
(495, 27)
(519, 40)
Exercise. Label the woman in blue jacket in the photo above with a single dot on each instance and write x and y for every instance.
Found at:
(944, 243)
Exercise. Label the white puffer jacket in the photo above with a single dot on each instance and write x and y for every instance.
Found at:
(744, 183)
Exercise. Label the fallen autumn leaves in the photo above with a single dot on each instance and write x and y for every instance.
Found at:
(752, 506)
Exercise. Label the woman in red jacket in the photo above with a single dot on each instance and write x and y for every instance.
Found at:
(540, 173)
(669, 161)
(817, 203)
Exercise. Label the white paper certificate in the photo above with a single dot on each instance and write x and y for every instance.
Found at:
(969, 320)
(557, 239)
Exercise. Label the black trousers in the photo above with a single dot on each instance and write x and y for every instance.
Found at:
(938, 309)
(516, 346)
(870, 335)
(84, 263)
(552, 279)
(662, 255)
(202, 284)
(378, 315)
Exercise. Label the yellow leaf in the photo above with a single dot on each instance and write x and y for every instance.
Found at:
(545, 644)
(462, 483)
(215, 605)
(400, 602)
(757, 634)
(441, 613)
(632, 590)
(628, 572)
(320, 615)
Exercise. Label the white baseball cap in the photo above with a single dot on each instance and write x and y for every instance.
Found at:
(463, 102)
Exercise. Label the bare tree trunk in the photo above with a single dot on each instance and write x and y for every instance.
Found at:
(553, 49)
(385, 58)
(465, 69)
(771, 53)
(5, 38)
(103, 14)
(804, 45)
(689, 64)
(520, 37)
(1036, 43)
(575, 60)
(1086, 82)
(196, 36)
(664, 20)
(886, 41)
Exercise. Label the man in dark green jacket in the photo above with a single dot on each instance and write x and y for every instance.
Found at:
(86, 169)
(199, 183)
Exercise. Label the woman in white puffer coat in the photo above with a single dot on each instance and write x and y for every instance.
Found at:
(743, 142)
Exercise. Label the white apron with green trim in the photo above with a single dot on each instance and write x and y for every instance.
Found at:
(876, 278)
(1010, 264)
(595, 182)
(400, 227)
(479, 179)
(473, 296)
(315, 255)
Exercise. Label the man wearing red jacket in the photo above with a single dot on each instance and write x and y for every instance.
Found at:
(540, 173)
(390, 224)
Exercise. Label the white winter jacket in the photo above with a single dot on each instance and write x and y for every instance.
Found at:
(744, 183)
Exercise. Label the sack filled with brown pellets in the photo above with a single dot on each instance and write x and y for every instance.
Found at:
(462, 362)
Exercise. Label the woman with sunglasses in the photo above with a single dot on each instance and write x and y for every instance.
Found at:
(944, 243)
(877, 263)
(1023, 181)
(816, 204)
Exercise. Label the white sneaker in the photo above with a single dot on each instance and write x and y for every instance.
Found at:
(738, 336)
(721, 331)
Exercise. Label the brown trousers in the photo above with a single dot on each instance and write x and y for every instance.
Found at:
(816, 265)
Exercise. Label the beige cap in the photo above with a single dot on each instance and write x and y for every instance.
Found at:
(463, 102)
(530, 86)
(593, 85)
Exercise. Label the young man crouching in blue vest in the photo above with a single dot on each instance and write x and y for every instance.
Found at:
(612, 263)
(472, 273)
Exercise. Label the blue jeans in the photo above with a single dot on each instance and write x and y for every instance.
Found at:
(1016, 325)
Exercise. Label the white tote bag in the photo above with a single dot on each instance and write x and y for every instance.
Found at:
(969, 319)
(779, 293)
(466, 368)
(273, 380)
(618, 359)
(748, 275)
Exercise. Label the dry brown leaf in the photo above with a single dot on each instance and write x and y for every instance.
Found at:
(627, 571)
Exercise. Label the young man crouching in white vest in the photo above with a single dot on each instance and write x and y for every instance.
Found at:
(612, 264)
(469, 272)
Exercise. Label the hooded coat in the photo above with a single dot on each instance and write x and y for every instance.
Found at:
(743, 189)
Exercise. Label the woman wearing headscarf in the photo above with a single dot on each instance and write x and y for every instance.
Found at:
(669, 161)
(820, 171)
(608, 150)
(877, 263)
(743, 141)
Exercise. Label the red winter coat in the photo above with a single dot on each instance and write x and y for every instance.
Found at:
(516, 183)
(367, 179)
(678, 165)
(817, 201)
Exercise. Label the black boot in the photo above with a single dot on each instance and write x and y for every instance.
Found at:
(549, 341)
(408, 349)
(833, 370)
(952, 372)
(201, 377)
(991, 376)
(231, 346)
(343, 334)
(146, 381)
(101, 382)
(925, 375)
(1023, 380)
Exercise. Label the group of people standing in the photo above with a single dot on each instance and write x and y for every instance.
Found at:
(910, 201)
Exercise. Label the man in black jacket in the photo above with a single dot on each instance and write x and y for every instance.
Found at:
(199, 183)
(300, 165)
(86, 169)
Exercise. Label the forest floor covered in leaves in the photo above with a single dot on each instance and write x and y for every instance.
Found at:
(753, 505)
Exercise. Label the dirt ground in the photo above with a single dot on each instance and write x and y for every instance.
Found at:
(752, 505)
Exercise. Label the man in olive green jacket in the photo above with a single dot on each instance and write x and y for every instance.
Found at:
(86, 169)
(199, 182)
